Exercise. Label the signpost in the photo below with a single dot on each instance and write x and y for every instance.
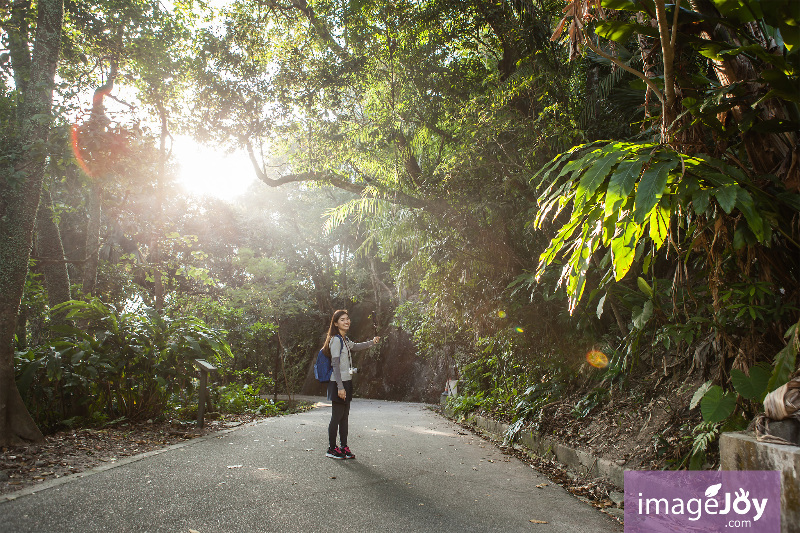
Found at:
(205, 367)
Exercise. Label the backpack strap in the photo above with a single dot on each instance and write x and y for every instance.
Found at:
(342, 340)
(349, 353)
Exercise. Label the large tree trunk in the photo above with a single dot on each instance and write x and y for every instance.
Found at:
(51, 252)
(19, 198)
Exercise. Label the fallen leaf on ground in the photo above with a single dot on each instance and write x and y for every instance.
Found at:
(541, 485)
(538, 522)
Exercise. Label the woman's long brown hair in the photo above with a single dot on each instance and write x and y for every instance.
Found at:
(333, 331)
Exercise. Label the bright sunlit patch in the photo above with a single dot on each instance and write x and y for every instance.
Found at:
(597, 359)
(206, 172)
(501, 314)
(519, 329)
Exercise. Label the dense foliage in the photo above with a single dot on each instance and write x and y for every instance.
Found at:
(512, 183)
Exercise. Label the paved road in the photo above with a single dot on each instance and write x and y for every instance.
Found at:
(415, 472)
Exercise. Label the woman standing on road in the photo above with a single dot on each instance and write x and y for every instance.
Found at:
(340, 389)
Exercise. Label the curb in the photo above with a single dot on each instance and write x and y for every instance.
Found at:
(578, 461)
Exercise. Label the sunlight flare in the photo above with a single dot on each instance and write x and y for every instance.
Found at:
(597, 359)
(206, 172)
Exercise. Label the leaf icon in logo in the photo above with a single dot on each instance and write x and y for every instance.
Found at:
(713, 490)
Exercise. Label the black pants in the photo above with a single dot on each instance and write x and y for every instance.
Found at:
(340, 413)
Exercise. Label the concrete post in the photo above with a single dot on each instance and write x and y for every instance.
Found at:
(202, 393)
(741, 451)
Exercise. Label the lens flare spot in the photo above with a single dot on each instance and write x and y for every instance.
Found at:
(501, 314)
(519, 329)
(597, 359)
(77, 150)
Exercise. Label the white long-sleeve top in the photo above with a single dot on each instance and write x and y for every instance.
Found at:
(341, 359)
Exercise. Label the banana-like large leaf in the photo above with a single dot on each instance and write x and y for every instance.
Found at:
(651, 188)
(621, 32)
(717, 405)
(726, 196)
(581, 256)
(659, 224)
(744, 202)
(616, 207)
(622, 182)
(754, 386)
(594, 176)
(623, 247)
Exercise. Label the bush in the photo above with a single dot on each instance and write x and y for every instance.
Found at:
(116, 364)
(241, 399)
(462, 405)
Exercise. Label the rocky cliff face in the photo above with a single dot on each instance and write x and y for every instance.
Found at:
(393, 370)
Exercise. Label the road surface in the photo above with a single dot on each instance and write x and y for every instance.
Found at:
(414, 472)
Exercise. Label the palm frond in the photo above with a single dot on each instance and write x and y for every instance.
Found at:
(368, 205)
(604, 89)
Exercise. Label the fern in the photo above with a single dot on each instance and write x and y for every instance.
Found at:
(704, 433)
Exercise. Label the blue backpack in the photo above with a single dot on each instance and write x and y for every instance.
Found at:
(323, 368)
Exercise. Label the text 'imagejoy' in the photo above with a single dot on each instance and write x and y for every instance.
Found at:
(728, 501)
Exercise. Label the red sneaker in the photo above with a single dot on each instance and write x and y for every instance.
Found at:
(335, 453)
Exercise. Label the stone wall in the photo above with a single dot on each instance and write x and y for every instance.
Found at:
(741, 451)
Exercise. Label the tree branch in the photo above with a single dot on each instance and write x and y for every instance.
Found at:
(668, 55)
(675, 24)
(57, 260)
(395, 197)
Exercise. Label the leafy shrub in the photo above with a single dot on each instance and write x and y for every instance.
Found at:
(717, 404)
(585, 405)
(465, 404)
(535, 397)
(244, 394)
(116, 363)
(257, 380)
(240, 399)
